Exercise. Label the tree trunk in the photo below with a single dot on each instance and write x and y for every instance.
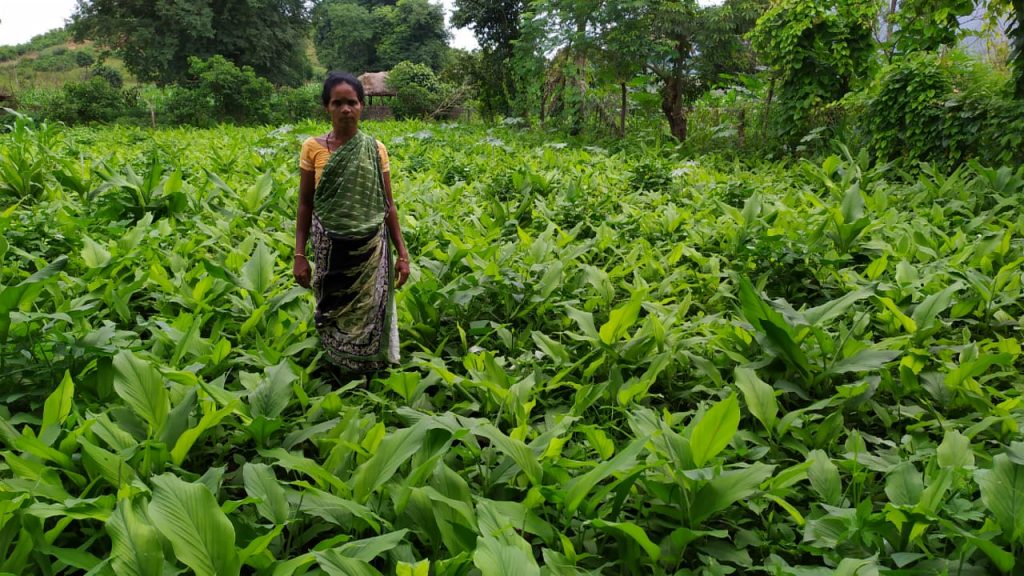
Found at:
(672, 106)
(888, 20)
(741, 129)
(622, 111)
(767, 109)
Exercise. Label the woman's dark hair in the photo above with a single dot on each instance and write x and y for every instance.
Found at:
(335, 78)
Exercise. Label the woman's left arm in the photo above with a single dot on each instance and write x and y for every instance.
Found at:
(395, 231)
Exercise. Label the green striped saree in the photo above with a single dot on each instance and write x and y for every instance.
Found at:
(353, 279)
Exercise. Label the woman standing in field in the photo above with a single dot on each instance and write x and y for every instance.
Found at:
(345, 202)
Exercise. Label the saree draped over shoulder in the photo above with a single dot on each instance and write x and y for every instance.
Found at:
(352, 278)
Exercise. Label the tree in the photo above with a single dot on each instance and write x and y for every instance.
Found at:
(414, 31)
(155, 38)
(1012, 12)
(925, 24)
(685, 46)
(344, 36)
(496, 25)
(364, 35)
(818, 50)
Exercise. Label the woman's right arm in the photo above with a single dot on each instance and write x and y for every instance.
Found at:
(303, 220)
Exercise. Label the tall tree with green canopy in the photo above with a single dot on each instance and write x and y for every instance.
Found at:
(497, 25)
(1013, 12)
(156, 37)
(343, 35)
(818, 50)
(413, 31)
(685, 46)
(365, 35)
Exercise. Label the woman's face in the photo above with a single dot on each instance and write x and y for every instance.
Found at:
(344, 106)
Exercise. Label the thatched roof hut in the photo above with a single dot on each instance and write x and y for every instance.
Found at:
(376, 84)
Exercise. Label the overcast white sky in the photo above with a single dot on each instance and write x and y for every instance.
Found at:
(20, 20)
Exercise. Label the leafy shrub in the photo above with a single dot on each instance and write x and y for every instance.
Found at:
(107, 73)
(84, 57)
(651, 175)
(419, 92)
(59, 59)
(296, 104)
(186, 106)
(38, 43)
(92, 100)
(924, 108)
(905, 116)
(234, 94)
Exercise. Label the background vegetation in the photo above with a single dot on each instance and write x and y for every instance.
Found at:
(701, 290)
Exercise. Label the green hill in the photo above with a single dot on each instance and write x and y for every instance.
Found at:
(49, 60)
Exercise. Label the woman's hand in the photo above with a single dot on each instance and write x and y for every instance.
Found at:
(301, 270)
(401, 270)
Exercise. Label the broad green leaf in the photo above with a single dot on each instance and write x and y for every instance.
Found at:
(259, 544)
(856, 567)
(12, 297)
(135, 544)
(94, 254)
(1002, 492)
(585, 320)
(111, 467)
(333, 508)
(74, 558)
(58, 404)
(934, 494)
(975, 368)
(632, 531)
(190, 518)
(189, 437)
(927, 312)
(778, 332)
(553, 349)
(759, 397)
(904, 485)
(290, 567)
(793, 512)
(864, 360)
(307, 466)
(256, 195)
(852, 207)
(715, 430)
(497, 558)
(404, 383)
(821, 315)
(334, 564)
(579, 487)
(906, 321)
(394, 450)
(421, 568)
(141, 386)
(261, 483)
(258, 272)
(272, 396)
(1003, 560)
(369, 548)
(620, 321)
(179, 416)
(955, 451)
(725, 489)
(520, 453)
(824, 477)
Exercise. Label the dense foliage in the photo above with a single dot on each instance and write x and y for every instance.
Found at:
(157, 38)
(365, 36)
(616, 360)
(56, 37)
